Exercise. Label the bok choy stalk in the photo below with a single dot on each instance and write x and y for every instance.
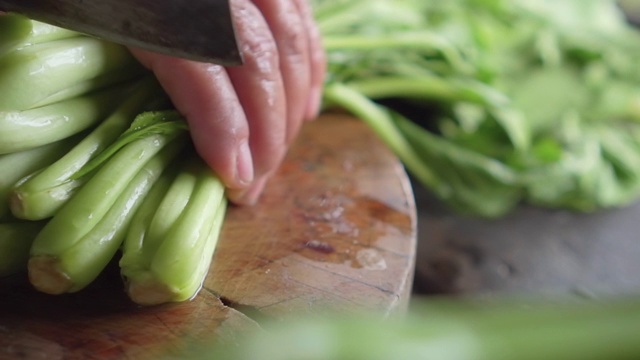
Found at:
(31, 128)
(84, 235)
(18, 165)
(169, 247)
(41, 194)
(16, 238)
(56, 83)
(75, 153)
(18, 30)
(90, 186)
(514, 101)
(74, 66)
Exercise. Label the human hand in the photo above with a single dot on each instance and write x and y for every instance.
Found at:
(244, 118)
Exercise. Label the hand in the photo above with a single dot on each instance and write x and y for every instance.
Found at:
(244, 118)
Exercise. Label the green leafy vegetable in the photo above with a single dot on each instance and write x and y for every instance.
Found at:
(503, 329)
(31, 128)
(90, 149)
(19, 165)
(40, 195)
(15, 241)
(79, 241)
(74, 66)
(167, 252)
(491, 103)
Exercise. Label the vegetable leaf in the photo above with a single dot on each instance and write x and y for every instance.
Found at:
(468, 91)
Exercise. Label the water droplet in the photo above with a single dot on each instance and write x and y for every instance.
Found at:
(371, 259)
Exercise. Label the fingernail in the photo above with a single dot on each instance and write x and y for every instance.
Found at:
(244, 164)
(251, 196)
(248, 196)
(313, 103)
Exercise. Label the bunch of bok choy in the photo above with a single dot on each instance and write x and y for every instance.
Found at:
(89, 145)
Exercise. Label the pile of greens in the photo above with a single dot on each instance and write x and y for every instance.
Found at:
(494, 103)
(96, 166)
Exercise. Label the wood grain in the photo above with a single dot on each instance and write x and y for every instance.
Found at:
(334, 230)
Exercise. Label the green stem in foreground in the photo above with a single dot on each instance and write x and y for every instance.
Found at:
(14, 30)
(428, 88)
(417, 41)
(18, 31)
(16, 166)
(33, 76)
(173, 265)
(78, 243)
(382, 123)
(42, 195)
(97, 196)
(22, 130)
(450, 329)
(15, 241)
(172, 205)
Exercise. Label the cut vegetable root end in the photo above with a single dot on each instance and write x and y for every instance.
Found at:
(47, 276)
(147, 290)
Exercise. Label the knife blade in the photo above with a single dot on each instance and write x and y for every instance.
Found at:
(200, 30)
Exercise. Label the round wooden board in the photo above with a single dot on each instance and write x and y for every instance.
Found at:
(334, 230)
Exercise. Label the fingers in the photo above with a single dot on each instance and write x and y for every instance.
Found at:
(301, 66)
(242, 119)
(317, 58)
(302, 58)
(204, 94)
(286, 24)
(260, 88)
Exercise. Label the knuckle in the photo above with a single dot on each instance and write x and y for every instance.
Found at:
(294, 40)
(257, 44)
(261, 53)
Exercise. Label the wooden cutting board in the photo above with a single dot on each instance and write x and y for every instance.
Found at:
(334, 230)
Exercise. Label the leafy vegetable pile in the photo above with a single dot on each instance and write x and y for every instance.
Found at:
(89, 169)
(491, 103)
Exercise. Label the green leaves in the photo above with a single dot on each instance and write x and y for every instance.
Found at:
(546, 91)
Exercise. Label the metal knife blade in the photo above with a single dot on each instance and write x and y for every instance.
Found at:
(200, 30)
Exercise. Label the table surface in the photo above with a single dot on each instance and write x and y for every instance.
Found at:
(334, 230)
(530, 252)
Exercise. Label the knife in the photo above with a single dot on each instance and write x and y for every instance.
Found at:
(200, 30)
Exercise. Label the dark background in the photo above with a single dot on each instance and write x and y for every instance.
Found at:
(531, 251)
